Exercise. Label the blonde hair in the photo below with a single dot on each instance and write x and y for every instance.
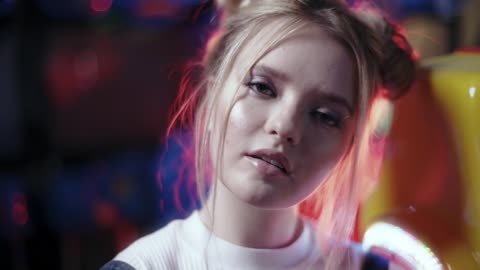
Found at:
(383, 61)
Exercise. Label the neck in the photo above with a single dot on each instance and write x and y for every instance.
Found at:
(243, 224)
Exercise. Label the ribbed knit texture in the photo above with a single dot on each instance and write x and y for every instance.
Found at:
(189, 245)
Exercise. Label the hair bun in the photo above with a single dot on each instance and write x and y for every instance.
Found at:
(397, 68)
(232, 6)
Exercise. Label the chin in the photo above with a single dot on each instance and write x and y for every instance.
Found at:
(267, 197)
(267, 192)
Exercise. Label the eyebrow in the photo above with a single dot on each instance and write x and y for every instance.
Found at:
(330, 97)
(270, 71)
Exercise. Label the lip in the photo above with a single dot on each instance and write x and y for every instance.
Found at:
(259, 159)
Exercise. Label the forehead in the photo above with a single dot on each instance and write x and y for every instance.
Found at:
(310, 58)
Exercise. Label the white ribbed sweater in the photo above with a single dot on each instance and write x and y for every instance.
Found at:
(189, 245)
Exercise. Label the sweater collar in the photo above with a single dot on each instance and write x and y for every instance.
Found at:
(304, 250)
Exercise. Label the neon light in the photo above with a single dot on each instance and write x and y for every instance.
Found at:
(401, 243)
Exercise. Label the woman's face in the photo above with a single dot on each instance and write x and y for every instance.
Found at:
(291, 121)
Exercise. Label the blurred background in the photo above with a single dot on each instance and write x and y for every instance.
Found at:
(86, 88)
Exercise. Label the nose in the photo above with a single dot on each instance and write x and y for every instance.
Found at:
(285, 124)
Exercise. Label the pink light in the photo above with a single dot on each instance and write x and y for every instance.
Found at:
(162, 205)
(100, 5)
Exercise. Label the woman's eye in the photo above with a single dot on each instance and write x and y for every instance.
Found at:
(262, 88)
(330, 119)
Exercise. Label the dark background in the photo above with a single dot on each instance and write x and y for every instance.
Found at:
(86, 89)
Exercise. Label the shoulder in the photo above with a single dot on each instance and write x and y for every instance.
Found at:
(154, 251)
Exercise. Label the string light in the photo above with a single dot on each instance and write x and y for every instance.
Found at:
(403, 244)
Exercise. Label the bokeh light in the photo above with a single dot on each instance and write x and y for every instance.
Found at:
(100, 5)
(19, 209)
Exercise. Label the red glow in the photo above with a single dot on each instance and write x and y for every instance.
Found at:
(105, 214)
(19, 209)
(158, 9)
(72, 73)
(125, 234)
(469, 50)
(101, 5)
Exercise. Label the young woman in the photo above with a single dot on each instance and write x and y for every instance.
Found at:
(283, 135)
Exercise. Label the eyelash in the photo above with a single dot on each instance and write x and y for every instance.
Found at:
(262, 88)
(333, 120)
(330, 119)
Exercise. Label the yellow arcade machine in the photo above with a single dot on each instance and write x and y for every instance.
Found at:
(426, 210)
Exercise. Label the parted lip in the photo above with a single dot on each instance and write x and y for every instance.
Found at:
(273, 157)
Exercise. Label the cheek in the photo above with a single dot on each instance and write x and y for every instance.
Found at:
(323, 158)
(334, 145)
(326, 151)
(243, 122)
(236, 130)
(341, 141)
